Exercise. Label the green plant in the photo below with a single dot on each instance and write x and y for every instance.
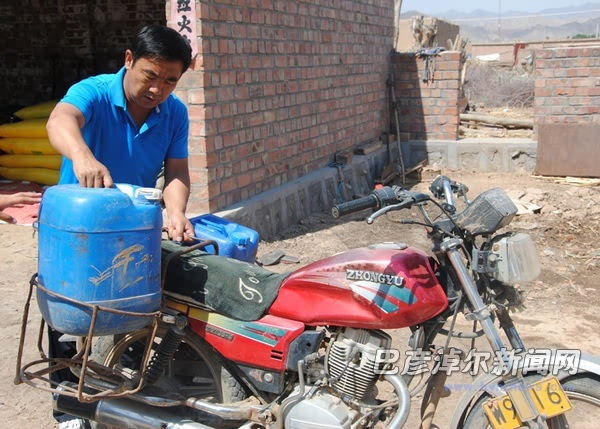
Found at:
(583, 36)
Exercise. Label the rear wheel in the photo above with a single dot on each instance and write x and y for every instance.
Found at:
(583, 392)
(195, 370)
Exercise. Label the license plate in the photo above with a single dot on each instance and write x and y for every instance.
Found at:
(548, 397)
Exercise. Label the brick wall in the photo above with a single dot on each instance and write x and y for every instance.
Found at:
(567, 86)
(47, 45)
(280, 86)
(428, 110)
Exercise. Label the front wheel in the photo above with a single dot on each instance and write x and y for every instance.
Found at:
(583, 392)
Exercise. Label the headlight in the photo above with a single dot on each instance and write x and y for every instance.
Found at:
(516, 257)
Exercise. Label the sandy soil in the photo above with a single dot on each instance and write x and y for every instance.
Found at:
(561, 307)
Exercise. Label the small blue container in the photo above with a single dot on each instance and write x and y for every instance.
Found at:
(234, 240)
(98, 246)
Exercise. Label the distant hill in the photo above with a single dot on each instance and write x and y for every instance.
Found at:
(481, 26)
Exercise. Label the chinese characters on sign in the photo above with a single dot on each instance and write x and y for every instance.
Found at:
(183, 19)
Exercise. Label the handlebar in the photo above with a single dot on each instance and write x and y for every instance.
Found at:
(443, 187)
(354, 206)
(395, 198)
(375, 200)
(383, 200)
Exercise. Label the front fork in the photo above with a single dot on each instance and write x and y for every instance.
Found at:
(481, 313)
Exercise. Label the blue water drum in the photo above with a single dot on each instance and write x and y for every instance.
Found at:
(98, 246)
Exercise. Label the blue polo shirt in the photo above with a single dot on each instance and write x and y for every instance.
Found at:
(132, 156)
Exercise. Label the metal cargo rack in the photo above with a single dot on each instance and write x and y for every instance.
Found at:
(106, 382)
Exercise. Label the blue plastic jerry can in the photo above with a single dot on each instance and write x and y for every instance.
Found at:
(102, 247)
(234, 240)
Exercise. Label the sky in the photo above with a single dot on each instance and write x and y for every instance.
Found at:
(439, 6)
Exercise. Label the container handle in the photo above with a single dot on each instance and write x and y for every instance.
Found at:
(218, 227)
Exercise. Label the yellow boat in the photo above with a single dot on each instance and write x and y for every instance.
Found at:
(27, 146)
(52, 162)
(27, 128)
(44, 176)
(40, 110)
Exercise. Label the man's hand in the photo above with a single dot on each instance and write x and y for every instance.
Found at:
(17, 199)
(90, 173)
(180, 228)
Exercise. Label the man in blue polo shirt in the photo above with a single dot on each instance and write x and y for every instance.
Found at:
(122, 127)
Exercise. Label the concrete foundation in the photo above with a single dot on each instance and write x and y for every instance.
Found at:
(485, 155)
(279, 208)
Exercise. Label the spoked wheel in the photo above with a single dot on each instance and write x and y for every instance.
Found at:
(195, 370)
(583, 392)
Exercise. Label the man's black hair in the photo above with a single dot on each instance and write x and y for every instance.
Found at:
(163, 43)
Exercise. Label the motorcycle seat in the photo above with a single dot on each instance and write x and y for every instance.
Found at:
(220, 284)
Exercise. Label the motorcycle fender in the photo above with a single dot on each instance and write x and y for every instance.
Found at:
(488, 383)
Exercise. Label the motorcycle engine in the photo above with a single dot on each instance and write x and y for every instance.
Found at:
(351, 361)
(321, 410)
(351, 366)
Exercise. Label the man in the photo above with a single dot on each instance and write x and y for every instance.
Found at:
(121, 128)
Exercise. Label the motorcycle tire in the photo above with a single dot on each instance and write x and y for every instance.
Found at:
(126, 351)
(583, 392)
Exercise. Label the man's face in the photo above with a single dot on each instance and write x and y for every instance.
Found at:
(149, 82)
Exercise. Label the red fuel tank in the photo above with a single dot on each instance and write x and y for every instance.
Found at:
(383, 286)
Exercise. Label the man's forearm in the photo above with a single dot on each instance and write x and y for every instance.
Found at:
(176, 193)
(64, 132)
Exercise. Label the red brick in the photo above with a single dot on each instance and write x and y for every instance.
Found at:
(197, 128)
(224, 125)
(451, 56)
(542, 92)
(560, 53)
(544, 54)
(450, 75)
(197, 112)
(586, 110)
(191, 79)
(563, 91)
(182, 94)
(582, 82)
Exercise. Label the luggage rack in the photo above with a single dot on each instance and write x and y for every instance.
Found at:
(109, 382)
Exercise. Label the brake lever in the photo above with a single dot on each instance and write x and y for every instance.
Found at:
(414, 197)
(384, 210)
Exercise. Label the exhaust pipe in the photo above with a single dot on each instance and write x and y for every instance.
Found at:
(124, 413)
(403, 401)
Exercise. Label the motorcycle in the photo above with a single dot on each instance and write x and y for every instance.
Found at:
(320, 353)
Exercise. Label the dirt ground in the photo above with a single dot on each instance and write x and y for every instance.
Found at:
(561, 305)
